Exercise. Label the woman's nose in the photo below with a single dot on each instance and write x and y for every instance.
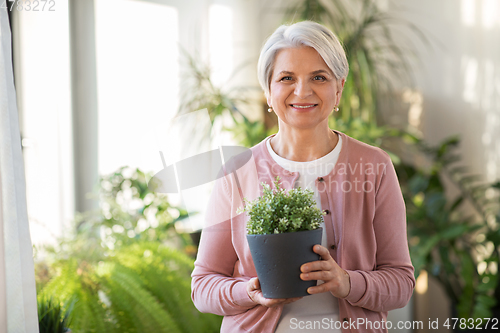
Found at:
(303, 89)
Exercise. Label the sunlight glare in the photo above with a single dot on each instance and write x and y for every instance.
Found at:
(221, 42)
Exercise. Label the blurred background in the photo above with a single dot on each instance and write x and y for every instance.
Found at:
(101, 86)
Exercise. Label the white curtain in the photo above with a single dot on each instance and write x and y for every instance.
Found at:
(18, 310)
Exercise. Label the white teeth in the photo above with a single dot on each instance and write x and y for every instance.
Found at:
(302, 106)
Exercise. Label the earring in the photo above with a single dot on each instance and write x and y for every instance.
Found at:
(270, 109)
(336, 109)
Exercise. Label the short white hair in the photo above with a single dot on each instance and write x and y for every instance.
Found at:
(305, 33)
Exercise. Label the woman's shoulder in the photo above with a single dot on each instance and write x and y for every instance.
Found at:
(260, 152)
(257, 148)
(356, 149)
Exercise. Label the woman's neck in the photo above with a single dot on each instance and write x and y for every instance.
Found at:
(304, 145)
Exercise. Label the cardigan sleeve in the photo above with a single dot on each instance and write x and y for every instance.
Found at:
(390, 285)
(213, 289)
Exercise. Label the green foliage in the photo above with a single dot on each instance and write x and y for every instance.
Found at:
(142, 287)
(249, 133)
(448, 238)
(372, 134)
(278, 211)
(52, 316)
(200, 92)
(129, 212)
(120, 269)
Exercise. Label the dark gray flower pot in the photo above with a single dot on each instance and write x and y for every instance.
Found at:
(277, 259)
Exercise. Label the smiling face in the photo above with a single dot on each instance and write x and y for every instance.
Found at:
(303, 90)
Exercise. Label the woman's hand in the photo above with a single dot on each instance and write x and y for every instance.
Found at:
(255, 293)
(336, 279)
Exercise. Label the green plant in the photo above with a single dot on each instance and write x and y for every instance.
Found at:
(221, 101)
(456, 241)
(249, 133)
(125, 267)
(52, 316)
(129, 212)
(280, 211)
(200, 92)
(375, 135)
(142, 287)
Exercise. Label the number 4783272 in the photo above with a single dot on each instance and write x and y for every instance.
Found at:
(28, 5)
(471, 323)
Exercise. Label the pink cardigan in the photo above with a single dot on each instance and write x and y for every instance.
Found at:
(366, 232)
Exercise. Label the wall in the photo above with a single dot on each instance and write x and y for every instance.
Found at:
(459, 76)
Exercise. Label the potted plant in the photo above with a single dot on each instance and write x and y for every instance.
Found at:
(52, 316)
(281, 232)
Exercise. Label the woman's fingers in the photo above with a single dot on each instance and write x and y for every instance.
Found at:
(319, 275)
(322, 251)
(253, 290)
(271, 302)
(314, 266)
(327, 263)
(254, 284)
(336, 279)
(317, 289)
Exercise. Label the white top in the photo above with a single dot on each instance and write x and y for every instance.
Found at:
(315, 308)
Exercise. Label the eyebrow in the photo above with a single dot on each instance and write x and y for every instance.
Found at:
(320, 71)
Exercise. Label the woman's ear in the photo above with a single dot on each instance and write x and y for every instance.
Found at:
(340, 88)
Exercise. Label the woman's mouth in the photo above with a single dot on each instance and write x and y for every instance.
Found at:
(303, 107)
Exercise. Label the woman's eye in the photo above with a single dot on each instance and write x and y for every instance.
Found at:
(319, 78)
(286, 78)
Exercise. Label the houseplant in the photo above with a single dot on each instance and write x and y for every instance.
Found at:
(281, 232)
(455, 240)
(141, 287)
(125, 269)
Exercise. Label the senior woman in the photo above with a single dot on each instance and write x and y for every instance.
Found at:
(365, 268)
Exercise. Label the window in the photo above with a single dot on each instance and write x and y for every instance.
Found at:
(137, 79)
